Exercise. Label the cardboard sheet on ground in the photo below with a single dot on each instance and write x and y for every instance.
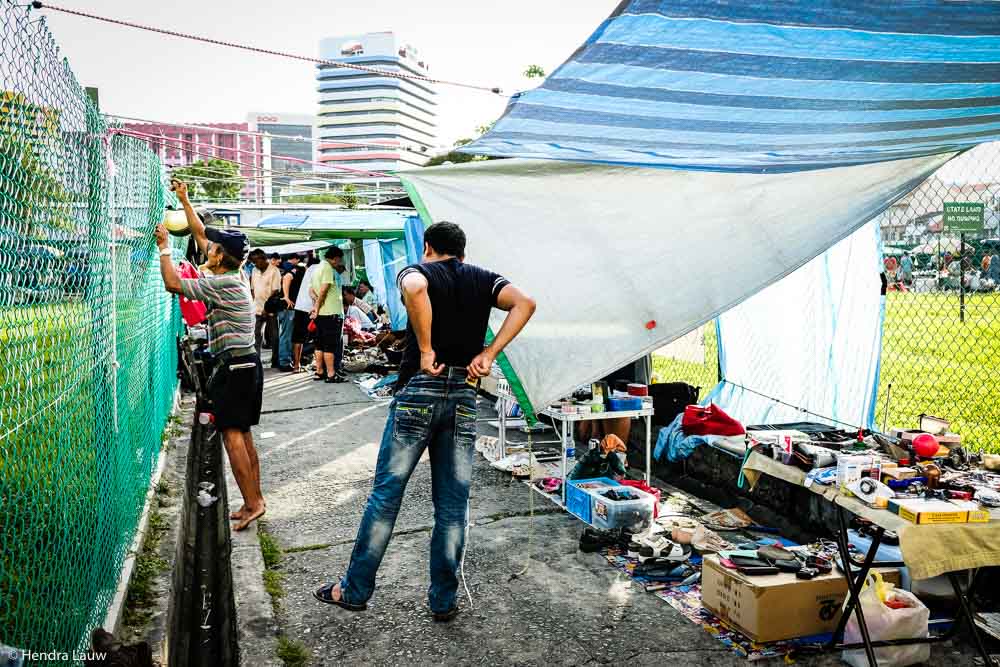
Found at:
(623, 260)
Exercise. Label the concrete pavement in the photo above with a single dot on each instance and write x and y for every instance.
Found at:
(318, 445)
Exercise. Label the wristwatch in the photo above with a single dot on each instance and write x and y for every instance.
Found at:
(166, 252)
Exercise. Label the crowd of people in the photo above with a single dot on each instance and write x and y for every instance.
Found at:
(950, 271)
(293, 291)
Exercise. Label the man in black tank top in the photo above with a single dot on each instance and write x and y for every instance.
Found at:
(449, 304)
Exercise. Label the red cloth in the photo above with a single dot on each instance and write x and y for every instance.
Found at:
(193, 312)
(709, 420)
(355, 333)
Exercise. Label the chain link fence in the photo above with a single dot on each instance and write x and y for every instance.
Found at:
(941, 334)
(87, 344)
(941, 338)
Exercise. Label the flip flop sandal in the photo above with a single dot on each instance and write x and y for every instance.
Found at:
(325, 595)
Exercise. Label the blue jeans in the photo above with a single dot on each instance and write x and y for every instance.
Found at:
(286, 322)
(438, 413)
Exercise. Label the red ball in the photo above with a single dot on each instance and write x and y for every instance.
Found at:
(926, 445)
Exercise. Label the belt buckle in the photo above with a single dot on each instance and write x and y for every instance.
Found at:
(472, 382)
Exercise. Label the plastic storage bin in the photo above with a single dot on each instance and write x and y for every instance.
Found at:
(634, 515)
(579, 498)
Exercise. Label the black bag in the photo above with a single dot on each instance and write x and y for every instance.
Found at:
(275, 304)
(670, 399)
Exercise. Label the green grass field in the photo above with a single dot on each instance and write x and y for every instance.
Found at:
(936, 363)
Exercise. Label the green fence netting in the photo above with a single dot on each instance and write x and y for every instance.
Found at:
(87, 344)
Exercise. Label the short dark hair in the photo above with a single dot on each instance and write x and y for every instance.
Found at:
(333, 251)
(445, 238)
(256, 252)
(365, 283)
(228, 261)
(275, 255)
(348, 290)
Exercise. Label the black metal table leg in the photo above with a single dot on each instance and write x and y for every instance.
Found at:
(965, 602)
(854, 586)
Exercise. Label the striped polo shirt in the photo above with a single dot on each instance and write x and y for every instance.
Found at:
(230, 310)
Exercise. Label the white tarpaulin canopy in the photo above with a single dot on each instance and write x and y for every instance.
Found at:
(625, 259)
(794, 122)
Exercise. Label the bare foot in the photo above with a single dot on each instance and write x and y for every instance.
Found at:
(239, 514)
(335, 592)
(252, 515)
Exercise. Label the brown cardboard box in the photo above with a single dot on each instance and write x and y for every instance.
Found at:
(777, 606)
(907, 435)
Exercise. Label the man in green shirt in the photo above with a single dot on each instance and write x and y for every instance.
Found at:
(328, 312)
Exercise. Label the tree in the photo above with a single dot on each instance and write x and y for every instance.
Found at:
(348, 197)
(213, 179)
(318, 198)
(534, 72)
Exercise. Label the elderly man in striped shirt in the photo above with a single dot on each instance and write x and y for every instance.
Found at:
(236, 386)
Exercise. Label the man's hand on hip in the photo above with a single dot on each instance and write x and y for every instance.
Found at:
(429, 365)
(481, 365)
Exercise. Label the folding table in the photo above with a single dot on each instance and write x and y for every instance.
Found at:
(975, 545)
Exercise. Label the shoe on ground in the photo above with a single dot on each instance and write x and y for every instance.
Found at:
(446, 616)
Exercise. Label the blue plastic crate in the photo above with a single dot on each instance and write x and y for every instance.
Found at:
(578, 500)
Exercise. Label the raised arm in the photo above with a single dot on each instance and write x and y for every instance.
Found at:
(520, 308)
(194, 222)
(418, 309)
(171, 281)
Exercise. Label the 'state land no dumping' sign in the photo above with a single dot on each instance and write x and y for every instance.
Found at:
(963, 217)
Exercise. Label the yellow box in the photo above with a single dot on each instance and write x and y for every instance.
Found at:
(977, 513)
(928, 511)
(979, 516)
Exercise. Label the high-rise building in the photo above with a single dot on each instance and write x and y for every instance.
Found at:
(359, 107)
(291, 137)
(179, 146)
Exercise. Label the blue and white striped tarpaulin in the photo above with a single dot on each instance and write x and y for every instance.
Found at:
(818, 113)
(766, 85)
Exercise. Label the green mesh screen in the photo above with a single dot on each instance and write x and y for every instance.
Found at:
(87, 344)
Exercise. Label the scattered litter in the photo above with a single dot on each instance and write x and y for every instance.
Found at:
(205, 499)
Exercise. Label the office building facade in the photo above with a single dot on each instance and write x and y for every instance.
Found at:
(289, 149)
(180, 146)
(395, 117)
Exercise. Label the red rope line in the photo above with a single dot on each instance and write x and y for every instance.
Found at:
(243, 47)
(236, 150)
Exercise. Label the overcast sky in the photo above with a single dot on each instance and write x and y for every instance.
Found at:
(165, 78)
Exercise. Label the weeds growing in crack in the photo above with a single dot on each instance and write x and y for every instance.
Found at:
(291, 652)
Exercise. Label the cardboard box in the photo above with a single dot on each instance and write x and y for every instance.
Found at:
(908, 435)
(778, 606)
(977, 513)
(898, 473)
(918, 510)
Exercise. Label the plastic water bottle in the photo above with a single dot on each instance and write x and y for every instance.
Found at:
(570, 446)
